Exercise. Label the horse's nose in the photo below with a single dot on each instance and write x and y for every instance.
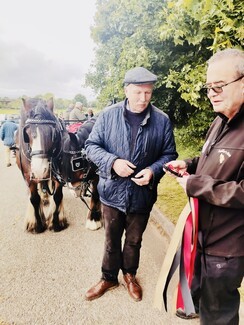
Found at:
(40, 168)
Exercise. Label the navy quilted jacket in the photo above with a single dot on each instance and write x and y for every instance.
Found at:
(110, 139)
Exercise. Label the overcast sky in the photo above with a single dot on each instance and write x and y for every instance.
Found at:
(45, 46)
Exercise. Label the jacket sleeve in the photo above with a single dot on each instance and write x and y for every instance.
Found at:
(2, 133)
(168, 151)
(217, 192)
(95, 151)
(192, 165)
(79, 115)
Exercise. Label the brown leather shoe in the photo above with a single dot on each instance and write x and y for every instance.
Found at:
(100, 288)
(133, 287)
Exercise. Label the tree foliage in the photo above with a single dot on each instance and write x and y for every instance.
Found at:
(173, 39)
(81, 98)
(125, 36)
(206, 25)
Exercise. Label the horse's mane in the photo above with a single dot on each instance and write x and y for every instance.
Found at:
(84, 131)
(36, 109)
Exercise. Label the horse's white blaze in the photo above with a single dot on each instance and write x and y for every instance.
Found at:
(40, 167)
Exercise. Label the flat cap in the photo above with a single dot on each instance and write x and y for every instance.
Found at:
(139, 75)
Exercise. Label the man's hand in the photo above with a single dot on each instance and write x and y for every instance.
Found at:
(178, 166)
(143, 177)
(123, 168)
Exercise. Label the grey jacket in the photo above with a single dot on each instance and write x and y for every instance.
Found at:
(110, 139)
(77, 114)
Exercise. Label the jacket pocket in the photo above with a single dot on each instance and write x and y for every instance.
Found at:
(108, 190)
(143, 199)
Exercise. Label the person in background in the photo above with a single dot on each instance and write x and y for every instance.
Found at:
(217, 180)
(7, 133)
(67, 112)
(129, 143)
(90, 113)
(77, 113)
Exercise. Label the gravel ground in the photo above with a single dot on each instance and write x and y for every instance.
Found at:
(44, 277)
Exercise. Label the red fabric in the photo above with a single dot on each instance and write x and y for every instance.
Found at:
(72, 128)
(189, 242)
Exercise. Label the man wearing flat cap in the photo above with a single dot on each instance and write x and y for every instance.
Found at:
(129, 143)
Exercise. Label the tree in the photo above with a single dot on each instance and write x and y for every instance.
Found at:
(173, 39)
(125, 36)
(201, 28)
(81, 98)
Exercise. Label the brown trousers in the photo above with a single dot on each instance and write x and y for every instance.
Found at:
(124, 256)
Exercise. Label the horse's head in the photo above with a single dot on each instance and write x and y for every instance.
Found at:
(74, 162)
(41, 137)
(75, 166)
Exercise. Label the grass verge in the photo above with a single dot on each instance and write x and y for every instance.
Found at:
(171, 196)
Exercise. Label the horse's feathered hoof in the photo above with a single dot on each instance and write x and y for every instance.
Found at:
(93, 225)
(35, 229)
(56, 227)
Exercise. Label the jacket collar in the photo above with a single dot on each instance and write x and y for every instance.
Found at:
(149, 108)
(239, 115)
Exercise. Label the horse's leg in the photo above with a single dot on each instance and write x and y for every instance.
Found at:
(35, 220)
(94, 217)
(57, 221)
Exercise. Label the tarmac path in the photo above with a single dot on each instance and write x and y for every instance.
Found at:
(44, 277)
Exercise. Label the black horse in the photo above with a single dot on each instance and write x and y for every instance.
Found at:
(80, 174)
(39, 140)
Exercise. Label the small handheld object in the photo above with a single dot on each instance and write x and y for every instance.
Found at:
(170, 169)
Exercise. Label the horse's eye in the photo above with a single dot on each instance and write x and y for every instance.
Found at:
(26, 136)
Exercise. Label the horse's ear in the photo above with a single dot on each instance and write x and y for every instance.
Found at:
(50, 104)
(24, 103)
(73, 138)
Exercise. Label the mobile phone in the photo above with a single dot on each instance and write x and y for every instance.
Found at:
(169, 169)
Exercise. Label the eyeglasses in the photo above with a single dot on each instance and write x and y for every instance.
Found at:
(219, 89)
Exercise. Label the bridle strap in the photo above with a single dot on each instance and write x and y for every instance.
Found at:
(34, 121)
(39, 153)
